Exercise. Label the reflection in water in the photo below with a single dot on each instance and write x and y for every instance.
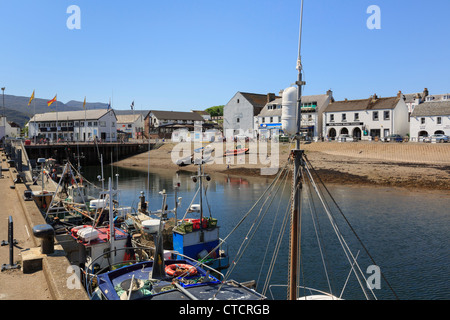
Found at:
(406, 232)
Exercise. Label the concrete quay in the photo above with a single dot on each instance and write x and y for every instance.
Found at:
(40, 277)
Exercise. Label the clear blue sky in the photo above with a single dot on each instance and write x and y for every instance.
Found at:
(186, 54)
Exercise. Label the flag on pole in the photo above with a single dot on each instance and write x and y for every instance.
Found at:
(31, 99)
(109, 104)
(84, 103)
(132, 106)
(49, 103)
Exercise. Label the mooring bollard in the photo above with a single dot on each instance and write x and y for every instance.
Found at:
(11, 242)
(47, 234)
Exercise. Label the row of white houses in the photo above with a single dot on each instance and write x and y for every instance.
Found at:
(109, 125)
(414, 115)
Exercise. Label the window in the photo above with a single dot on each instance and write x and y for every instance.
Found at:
(422, 120)
(113, 124)
(309, 117)
(356, 116)
(237, 100)
(271, 119)
(238, 120)
(344, 117)
(439, 120)
(263, 120)
(375, 116)
(387, 115)
(89, 124)
(102, 123)
(331, 117)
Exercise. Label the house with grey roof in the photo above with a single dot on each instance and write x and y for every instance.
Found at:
(239, 112)
(131, 124)
(312, 107)
(84, 125)
(366, 119)
(161, 124)
(414, 99)
(431, 117)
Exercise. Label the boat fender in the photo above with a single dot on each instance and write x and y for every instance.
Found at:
(176, 270)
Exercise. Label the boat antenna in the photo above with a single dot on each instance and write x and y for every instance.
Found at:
(297, 155)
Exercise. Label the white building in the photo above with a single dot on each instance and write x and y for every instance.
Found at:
(12, 130)
(312, 108)
(367, 118)
(161, 124)
(239, 112)
(414, 99)
(82, 125)
(131, 124)
(431, 117)
(8, 129)
(2, 127)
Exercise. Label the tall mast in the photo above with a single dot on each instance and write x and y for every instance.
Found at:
(296, 183)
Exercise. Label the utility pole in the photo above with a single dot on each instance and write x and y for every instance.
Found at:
(4, 110)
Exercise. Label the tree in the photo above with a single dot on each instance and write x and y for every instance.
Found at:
(216, 111)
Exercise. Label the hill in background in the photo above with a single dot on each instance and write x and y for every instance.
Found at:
(18, 111)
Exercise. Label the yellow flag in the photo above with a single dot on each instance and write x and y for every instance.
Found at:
(31, 99)
(49, 103)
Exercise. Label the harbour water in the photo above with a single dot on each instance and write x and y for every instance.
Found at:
(406, 232)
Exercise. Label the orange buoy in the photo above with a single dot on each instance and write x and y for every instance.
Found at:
(176, 270)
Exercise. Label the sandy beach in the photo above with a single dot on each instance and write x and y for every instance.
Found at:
(410, 165)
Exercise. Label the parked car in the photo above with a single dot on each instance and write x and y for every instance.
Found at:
(345, 138)
(438, 138)
(241, 137)
(393, 138)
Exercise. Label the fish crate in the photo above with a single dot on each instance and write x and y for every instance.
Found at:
(193, 281)
(212, 223)
(186, 227)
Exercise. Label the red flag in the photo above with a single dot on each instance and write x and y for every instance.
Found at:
(49, 103)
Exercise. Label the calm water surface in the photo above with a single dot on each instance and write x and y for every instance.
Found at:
(406, 232)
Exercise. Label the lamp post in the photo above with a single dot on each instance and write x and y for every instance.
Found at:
(4, 112)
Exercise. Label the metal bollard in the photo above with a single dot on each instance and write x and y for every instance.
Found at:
(46, 233)
(11, 242)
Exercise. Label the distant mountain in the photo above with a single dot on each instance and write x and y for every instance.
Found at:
(18, 111)
(89, 105)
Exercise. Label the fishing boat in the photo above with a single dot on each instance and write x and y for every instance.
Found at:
(165, 276)
(194, 235)
(199, 238)
(236, 152)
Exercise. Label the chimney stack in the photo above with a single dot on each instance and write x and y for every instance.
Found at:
(425, 94)
(270, 97)
(330, 94)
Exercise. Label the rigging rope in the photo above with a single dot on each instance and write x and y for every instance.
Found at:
(340, 237)
(348, 223)
(273, 227)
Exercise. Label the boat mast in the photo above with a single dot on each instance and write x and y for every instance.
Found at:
(297, 154)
